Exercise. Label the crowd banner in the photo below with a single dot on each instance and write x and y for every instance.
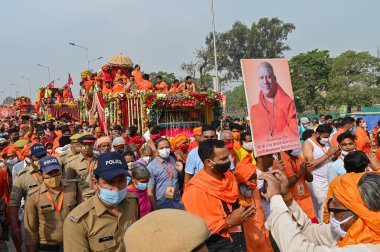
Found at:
(271, 105)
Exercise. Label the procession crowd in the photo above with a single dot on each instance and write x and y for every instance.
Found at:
(67, 186)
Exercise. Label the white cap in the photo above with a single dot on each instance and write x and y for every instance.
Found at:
(304, 120)
(118, 141)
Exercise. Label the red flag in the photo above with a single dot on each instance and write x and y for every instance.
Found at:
(51, 85)
(69, 82)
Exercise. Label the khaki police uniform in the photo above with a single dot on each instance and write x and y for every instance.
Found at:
(66, 157)
(92, 227)
(78, 168)
(25, 180)
(43, 223)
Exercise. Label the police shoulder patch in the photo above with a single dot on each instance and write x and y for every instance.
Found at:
(81, 210)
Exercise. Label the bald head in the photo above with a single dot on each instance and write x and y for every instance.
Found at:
(267, 80)
(226, 135)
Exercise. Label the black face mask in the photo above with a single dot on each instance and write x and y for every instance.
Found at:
(222, 168)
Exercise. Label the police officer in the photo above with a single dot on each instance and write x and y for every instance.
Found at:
(81, 167)
(74, 150)
(47, 207)
(25, 180)
(99, 223)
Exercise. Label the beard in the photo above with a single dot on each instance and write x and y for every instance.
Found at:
(245, 190)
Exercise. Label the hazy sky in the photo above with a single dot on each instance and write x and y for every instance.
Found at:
(160, 34)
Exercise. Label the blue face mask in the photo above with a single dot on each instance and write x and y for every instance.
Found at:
(110, 197)
(142, 186)
(128, 180)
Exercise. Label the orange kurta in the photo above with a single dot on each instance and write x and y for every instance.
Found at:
(292, 166)
(162, 87)
(145, 85)
(362, 140)
(256, 235)
(117, 77)
(118, 89)
(106, 90)
(138, 76)
(203, 197)
(334, 141)
(282, 122)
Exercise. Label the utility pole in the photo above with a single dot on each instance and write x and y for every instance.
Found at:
(217, 87)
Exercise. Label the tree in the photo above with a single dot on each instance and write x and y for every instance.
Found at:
(265, 39)
(8, 100)
(166, 77)
(354, 80)
(309, 73)
(236, 99)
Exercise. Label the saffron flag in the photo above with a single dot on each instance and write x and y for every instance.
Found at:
(69, 82)
(51, 85)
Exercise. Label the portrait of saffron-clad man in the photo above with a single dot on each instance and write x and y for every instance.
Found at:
(270, 99)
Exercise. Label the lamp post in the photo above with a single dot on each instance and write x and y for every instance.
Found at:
(85, 48)
(98, 58)
(46, 68)
(30, 85)
(215, 59)
(18, 89)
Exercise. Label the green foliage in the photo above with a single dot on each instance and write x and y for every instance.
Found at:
(264, 39)
(166, 77)
(309, 73)
(354, 80)
(236, 99)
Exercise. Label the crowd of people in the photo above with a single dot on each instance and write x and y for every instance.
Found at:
(65, 186)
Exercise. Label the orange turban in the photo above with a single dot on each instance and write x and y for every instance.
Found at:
(11, 148)
(197, 131)
(367, 228)
(178, 140)
(244, 171)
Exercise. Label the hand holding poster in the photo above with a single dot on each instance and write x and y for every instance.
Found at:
(271, 105)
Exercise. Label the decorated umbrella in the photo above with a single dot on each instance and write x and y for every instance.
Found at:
(120, 60)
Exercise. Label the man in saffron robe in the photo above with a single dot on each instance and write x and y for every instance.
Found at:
(161, 86)
(145, 84)
(107, 87)
(119, 87)
(275, 113)
(256, 236)
(212, 194)
(137, 74)
(362, 140)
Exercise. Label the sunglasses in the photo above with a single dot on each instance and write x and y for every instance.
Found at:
(335, 210)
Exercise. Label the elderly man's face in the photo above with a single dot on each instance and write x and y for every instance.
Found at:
(334, 204)
(267, 82)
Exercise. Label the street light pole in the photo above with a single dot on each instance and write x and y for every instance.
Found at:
(215, 55)
(85, 48)
(98, 58)
(46, 68)
(30, 85)
(18, 89)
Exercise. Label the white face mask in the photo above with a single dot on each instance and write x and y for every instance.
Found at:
(147, 159)
(248, 146)
(335, 228)
(164, 153)
(324, 140)
(296, 152)
(364, 125)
